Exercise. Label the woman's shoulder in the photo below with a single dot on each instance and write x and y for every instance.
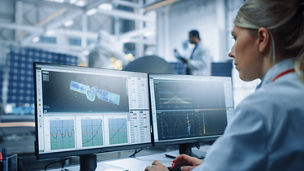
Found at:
(284, 93)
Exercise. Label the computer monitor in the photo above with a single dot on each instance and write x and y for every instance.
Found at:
(189, 109)
(81, 111)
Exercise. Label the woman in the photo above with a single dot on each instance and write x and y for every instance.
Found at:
(267, 130)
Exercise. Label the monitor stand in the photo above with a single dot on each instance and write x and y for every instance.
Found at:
(88, 162)
(187, 149)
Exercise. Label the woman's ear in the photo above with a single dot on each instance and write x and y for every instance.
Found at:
(263, 40)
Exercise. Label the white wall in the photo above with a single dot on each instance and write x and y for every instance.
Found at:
(186, 15)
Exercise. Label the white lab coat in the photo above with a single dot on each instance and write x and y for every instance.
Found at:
(200, 64)
(266, 132)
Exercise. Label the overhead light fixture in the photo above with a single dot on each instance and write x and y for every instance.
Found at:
(149, 33)
(80, 3)
(105, 6)
(86, 52)
(50, 33)
(59, 1)
(36, 39)
(68, 23)
(73, 1)
(91, 12)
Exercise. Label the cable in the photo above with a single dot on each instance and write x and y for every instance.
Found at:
(197, 145)
(63, 163)
(49, 164)
(135, 152)
(54, 162)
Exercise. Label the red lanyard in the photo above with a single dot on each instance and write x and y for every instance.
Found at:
(283, 73)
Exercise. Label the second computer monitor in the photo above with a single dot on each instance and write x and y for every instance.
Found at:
(187, 109)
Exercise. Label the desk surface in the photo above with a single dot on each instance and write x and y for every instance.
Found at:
(132, 164)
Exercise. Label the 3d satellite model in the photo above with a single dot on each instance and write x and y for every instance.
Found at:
(92, 92)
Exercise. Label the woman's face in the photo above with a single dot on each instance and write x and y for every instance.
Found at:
(245, 52)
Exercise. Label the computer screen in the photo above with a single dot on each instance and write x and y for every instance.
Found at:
(83, 110)
(189, 108)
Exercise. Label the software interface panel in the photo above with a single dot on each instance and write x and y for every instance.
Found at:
(81, 108)
(189, 107)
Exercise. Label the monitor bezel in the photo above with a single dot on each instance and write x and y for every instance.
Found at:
(200, 139)
(93, 150)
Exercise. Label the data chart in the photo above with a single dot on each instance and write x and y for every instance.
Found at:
(62, 134)
(118, 131)
(91, 132)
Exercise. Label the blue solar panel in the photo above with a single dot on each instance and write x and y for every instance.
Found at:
(217, 68)
(221, 68)
(20, 82)
(179, 67)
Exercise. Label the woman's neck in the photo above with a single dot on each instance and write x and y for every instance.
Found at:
(268, 63)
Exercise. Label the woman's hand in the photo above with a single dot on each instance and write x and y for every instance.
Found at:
(187, 162)
(156, 166)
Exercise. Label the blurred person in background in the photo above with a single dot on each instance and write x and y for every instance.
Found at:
(199, 61)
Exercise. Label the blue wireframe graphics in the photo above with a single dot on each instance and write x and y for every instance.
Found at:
(92, 92)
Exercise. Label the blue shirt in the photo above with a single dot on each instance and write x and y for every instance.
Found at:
(267, 131)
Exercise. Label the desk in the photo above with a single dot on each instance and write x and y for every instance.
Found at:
(140, 163)
(130, 164)
(133, 164)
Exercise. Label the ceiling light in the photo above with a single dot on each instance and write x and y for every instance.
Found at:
(86, 52)
(36, 39)
(59, 1)
(50, 33)
(68, 23)
(80, 3)
(149, 33)
(73, 1)
(105, 6)
(91, 12)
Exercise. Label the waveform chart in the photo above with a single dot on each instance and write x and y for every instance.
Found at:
(62, 134)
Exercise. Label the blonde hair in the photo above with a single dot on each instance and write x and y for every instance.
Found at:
(285, 23)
